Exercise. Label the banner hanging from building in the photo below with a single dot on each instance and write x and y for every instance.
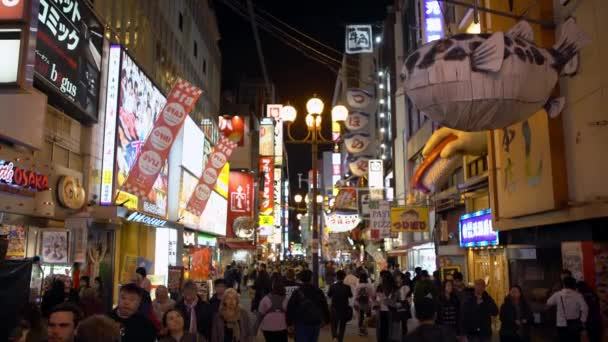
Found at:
(233, 128)
(267, 137)
(409, 219)
(216, 161)
(155, 150)
(340, 223)
(266, 219)
(240, 204)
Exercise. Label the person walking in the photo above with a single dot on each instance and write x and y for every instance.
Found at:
(386, 304)
(63, 320)
(162, 303)
(594, 325)
(427, 330)
(272, 313)
(231, 324)
(54, 296)
(448, 311)
(341, 312)
(403, 305)
(90, 304)
(515, 317)
(198, 314)
(134, 326)
(262, 287)
(98, 328)
(364, 297)
(219, 287)
(424, 287)
(572, 311)
(477, 312)
(307, 309)
(330, 274)
(173, 322)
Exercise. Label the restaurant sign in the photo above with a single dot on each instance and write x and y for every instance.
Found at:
(476, 230)
(409, 219)
(21, 181)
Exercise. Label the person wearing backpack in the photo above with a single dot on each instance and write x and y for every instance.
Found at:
(272, 313)
(364, 294)
(341, 312)
(307, 310)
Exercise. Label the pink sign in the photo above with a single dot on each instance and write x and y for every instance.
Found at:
(216, 161)
(155, 150)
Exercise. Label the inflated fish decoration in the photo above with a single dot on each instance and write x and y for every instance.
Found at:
(474, 82)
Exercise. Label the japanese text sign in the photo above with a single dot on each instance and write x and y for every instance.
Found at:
(267, 137)
(359, 39)
(233, 128)
(409, 219)
(476, 230)
(240, 201)
(267, 172)
(356, 121)
(216, 161)
(380, 218)
(340, 223)
(433, 20)
(68, 51)
(154, 153)
(11, 9)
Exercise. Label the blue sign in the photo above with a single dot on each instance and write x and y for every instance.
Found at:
(433, 20)
(475, 230)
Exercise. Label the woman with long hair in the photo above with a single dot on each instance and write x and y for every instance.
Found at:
(364, 297)
(448, 312)
(272, 313)
(231, 322)
(173, 323)
(515, 316)
(385, 304)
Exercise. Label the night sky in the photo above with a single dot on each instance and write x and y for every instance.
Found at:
(296, 77)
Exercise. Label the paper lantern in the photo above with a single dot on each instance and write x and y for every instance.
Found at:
(356, 121)
(358, 98)
(358, 165)
(356, 142)
(475, 82)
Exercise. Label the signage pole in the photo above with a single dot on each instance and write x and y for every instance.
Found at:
(315, 224)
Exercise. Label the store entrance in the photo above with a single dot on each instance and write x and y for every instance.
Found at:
(490, 264)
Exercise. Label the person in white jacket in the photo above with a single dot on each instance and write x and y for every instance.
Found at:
(572, 312)
(364, 296)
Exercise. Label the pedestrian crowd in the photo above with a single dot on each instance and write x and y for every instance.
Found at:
(286, 302)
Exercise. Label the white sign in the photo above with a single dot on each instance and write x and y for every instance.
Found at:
(376, 173)
(380, 217)
(189, 238)
(10, 47)
(109, 135)
(273, 111)
(340, 223)
(359, 39)
(267, 137)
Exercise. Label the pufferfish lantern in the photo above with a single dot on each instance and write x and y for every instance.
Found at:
(475, 82)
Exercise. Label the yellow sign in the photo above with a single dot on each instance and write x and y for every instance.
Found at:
(266, 220)
(130, 201)
(409, 219)
(221, 187)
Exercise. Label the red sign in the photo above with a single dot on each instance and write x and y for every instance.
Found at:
(21, 181)
(201, 263)
(233, 128)
(11, 9)
(216, 161)
(267, 171)
(154, 153)
(240, 199)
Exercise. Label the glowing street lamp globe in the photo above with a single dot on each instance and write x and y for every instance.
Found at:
(288, 113)
(339, 113)
(297, 198)
(314, 106)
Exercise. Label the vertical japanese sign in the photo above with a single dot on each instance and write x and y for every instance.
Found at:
(201, 263)
(267, 195)
(109, 135)
(376, 179)
(68, 51)
(359, 39)
(336, 171)
(240, 201)
(267, 137)
(380, 219)
(216, 161)
(277, 183)
(433, 21)
(274, 111)
(154, 153)
(233, 128)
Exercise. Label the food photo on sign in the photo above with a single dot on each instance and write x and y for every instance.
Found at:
(69, 44)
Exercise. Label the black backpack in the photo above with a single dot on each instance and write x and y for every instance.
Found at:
(309, 311)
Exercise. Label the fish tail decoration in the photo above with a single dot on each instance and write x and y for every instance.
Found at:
(571, 40)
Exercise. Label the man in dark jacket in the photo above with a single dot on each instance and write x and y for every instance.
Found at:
(428, 330)
(307, 309)
(198, 314)
(261, 286)
(340, 308)
(219, 286)
(477, 312)
(133, 325)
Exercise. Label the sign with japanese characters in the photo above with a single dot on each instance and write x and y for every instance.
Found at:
(359, 39)
(68, 52)
(356, 121)
(380, 218)
(409, 219)
(154, 153)
(340, 223)
(240, 201)
(267, 196)
(267, 137)
(12, 9)
(203, 191)
(433, 20)
(476, 230)
(356, 142)
(358, 165)
(233, 128)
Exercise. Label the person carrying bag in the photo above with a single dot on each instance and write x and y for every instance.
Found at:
(572, 312)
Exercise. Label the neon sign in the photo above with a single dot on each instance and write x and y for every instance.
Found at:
(433, 21)
(21, 181)
(476, 230)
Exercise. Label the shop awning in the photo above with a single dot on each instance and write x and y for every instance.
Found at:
(239, 245)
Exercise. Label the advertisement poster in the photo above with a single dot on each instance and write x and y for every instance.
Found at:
(218, 158)
(175, 278)
(153, 154)
(213, 219)
(139, 104)
(267, 172)
(68, 52)
(572, 258)
(240, 203)
(409, 219)
(476, 230)
(267, 137)
(201, 263)
(16, 240)
(233, 128)
(54, 247)
(188, 185)
(346, 199)
(128, 269)
(78, 227)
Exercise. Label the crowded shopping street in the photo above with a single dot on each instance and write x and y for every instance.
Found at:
(306, 171)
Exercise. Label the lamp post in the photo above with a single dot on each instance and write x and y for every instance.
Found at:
(313, 119)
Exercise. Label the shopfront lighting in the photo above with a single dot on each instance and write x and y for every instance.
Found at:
(378, 39)
(381, 86)
(339, 113)
(297, 198)
(383, 156)
(299, 216)
(314, 106)
(382, 130)
(381, 101)
(319, 198)
(288, 113)
(380, 73)
(383, 145)
(381, 115)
